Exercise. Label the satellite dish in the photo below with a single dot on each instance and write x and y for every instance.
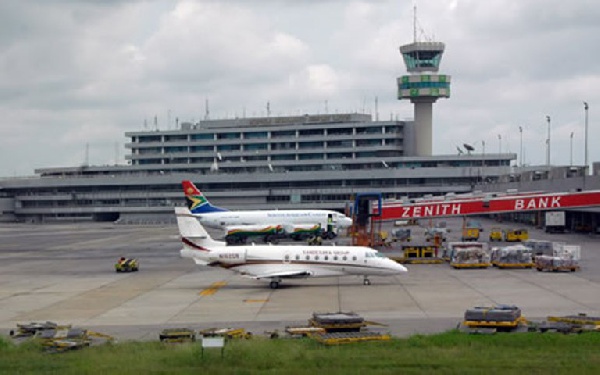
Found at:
(469, 147)
(385, 165)
(460, 152)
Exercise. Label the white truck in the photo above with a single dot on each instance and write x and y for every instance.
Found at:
(555, 222)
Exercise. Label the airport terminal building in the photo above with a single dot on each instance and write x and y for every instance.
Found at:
(316, 161)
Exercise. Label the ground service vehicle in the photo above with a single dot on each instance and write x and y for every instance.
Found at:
(126, 265)
(516, 235)
(470, 234)
(496, 234)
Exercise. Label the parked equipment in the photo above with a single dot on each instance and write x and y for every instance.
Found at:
(563, 258)
(555, 221)
(469, 255)
(338, 328)
(496, 234)
(126, 265)
(229, 333)
(516, 256)
(516, 235)
(470, 234)
(177, 335)
(492, 319)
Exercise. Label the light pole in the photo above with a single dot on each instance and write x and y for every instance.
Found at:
(499, 144)
(548, 143)
(571, 149)
(521, 145)
(483, 163)
(586, 107)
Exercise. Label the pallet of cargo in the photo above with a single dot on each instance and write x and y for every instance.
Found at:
(61, 340)
(581, 319)
(177, 335)
(304, 331)
(337, 338)
(514, 265)
(469, 255)
(560, 327)
(229, 333)
(471, 265)
(33, 328)
(340, 322)
(499, 318)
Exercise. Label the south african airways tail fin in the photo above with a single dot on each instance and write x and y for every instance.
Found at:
(196, 201)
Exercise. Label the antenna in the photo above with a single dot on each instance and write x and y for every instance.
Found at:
(155, 122)
(376, 108)
(415, 22)
(116, 153)
(206, 109)
(469, 148)
(268, 109)
(86, 162)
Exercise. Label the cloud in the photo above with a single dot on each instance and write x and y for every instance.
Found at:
(76, 72)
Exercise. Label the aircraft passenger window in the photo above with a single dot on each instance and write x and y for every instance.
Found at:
(308, 257)
(335, 257)
(354, 258)
(297, 257)
(316, 257)
(344, 258)
(326, 257)
(287, 257)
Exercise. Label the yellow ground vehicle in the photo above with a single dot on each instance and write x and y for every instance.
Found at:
(126, 265)
(470, 234)
(496, 234)
(516, 235)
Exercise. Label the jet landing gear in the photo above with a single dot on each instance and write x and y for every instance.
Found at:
(366, 281)
(274, 284)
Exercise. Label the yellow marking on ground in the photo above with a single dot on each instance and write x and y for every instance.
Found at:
(214, 287)
(256, 300)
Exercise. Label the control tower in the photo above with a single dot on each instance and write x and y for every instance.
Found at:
(423, 87)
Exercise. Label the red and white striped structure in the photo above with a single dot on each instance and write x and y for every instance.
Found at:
(486, 203)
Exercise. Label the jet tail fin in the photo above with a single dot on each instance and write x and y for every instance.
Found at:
(196, 201)
(197, 243)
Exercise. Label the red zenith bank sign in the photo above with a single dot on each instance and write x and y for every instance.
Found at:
(481, 205)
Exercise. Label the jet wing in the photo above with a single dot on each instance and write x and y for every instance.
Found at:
(283, 274)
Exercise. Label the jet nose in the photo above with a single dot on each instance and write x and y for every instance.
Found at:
(400, 268)
(345, 222)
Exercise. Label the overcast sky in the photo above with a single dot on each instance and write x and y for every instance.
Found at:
(83, 72)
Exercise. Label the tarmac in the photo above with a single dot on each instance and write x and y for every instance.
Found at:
(65, 273)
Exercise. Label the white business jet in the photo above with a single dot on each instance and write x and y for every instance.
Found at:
(276, 262)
